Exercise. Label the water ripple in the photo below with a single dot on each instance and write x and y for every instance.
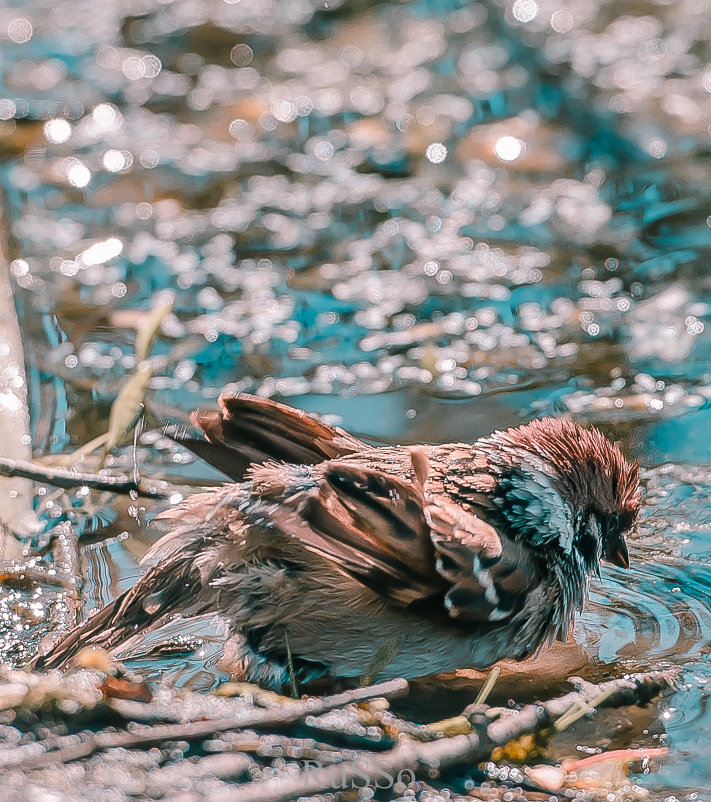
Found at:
(660, 609)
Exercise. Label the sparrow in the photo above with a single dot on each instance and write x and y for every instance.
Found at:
(322, 549)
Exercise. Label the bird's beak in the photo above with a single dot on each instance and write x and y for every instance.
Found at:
(616, 552)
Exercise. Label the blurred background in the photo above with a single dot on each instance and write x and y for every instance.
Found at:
(421, 220)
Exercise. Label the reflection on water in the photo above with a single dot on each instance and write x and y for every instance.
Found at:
(423, 219)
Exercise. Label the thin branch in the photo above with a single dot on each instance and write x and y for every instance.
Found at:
(12, 571)
(407, 758)
(158, 734)
(69, 479)
(632, 689)
(620, 755)
(225, 766)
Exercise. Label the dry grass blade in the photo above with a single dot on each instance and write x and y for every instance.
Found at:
(581, 709)
(261, 697)
(147, 332)
(290, 665)
(456, 725)
(488, 686)
(382, 657)
(83, 451)
(127, 407)
(461, 725)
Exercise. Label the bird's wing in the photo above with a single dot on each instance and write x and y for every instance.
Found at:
(248, 429)
(490, 576)
(410, 546)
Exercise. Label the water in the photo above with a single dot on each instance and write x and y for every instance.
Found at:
(423, 219)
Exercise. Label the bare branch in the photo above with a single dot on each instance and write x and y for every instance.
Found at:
(475, 747)
(195, 730)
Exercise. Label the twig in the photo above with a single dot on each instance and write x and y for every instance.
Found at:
(621, 755)
(393, 725)
(411, 756)
(12, 571)
(290, 664)
(406, 759)
(225, 766)
(580, 710)
(488, 686)
(627, 690)
(68, 479)
(158, 734)
(282, 745)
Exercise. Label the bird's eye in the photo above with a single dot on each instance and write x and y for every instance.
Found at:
(625, 522)
(614, 526)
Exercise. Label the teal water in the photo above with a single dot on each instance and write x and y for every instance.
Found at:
(424, 220)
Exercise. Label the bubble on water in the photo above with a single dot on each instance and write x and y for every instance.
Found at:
(57, 131)
(106, 117)
(562, 21)
(241, 55)
(101, 252)
(19, 267)
(20, 30)
(133, 68)
(8, 108)
(152, 65)
(323, 150)
(509, 148)
(525, 10)
(657, 148)
(149, 158)
(436, 153)
(78, 174)
(116, 160)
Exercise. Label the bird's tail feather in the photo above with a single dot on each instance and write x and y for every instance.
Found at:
(152, 598)
(250, 430)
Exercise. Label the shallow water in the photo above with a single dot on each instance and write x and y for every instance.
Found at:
(424, 220)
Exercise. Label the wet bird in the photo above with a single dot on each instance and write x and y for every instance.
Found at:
(322, 548)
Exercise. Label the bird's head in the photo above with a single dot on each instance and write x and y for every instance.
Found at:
(566, 490)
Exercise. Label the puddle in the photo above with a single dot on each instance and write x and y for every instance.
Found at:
(424, 220)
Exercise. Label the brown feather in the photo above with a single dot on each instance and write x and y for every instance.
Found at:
(249, 429)
(587, 463)
(406, 544)
(169, 584)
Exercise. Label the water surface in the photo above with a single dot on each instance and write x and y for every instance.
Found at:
(423, 220)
